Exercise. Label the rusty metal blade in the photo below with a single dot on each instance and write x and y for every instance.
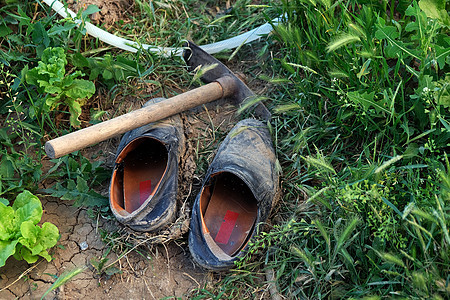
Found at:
(195, 57)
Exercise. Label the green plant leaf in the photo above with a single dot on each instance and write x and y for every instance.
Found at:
(345, 234)
(7, 248)
(27, 207)
(4, 30)
(19, 234)
(7, 167)
(7, 225)
(419, 23)
(78, 60)
(91, 9)
(25, 253)
(442, 55)
(366, 100)
(44, 254)
(75, 111)
(38, 239)
(80, 89)
(39, 34)
(435, 9)
(323, 232)
(49, 235)
(79, 191)
(390, 34)
(30, 235)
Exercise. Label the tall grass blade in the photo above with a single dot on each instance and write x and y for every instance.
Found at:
(249, 102)
(393, 259)
(388, 163)
(316, 197)
(301, 254)
(324, 233)
(350, 261)
(320, 164)
(419, 227)
(394, 208)
(439, 214)
(421, 135)
(341, 41)
(65, 277)
(346, 234)
(419, 281)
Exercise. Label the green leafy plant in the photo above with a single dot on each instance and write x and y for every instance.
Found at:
(18, 169)
(20, 235)
(79, 175)
(50, 77)
(112, 69)
(101, 267)
(371, 203)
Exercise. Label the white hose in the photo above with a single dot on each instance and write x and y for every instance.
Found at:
(132, 46)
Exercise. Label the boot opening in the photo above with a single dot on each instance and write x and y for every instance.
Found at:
(229, 212)
(141, 166)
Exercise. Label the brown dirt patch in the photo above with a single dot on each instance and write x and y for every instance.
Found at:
(110, 12)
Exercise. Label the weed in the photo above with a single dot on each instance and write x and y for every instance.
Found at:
(80, 174)
(101, 269)
(63, 279)
(50, 78)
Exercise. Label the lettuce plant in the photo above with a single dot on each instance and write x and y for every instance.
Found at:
(50, 77)
(20, 235)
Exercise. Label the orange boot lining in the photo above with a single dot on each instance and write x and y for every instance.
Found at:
(229, 212)
(144, 163)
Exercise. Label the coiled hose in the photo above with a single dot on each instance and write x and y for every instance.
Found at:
(132, 46)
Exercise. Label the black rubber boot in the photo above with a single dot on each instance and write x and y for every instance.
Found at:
(237, 194)
(144, 183)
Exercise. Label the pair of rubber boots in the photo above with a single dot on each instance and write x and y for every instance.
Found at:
(237, 194)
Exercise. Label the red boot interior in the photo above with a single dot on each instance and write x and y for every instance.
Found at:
(229, 212)
(142, 165)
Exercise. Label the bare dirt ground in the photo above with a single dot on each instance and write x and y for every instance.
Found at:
(161, 266)
(160, 270)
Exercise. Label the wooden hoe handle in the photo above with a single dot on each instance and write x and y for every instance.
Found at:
(221, 88)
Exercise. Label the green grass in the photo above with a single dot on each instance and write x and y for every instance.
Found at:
(360, 97)
(362, 127)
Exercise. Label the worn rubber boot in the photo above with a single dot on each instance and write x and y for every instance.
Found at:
(144, 183)
(237, 194)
